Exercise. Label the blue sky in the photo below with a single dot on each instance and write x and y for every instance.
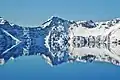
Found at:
(33, 13)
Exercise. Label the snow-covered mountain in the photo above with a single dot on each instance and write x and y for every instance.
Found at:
(98, 42)
(59, 41)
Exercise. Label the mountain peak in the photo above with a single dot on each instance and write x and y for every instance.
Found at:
(2, 21)
(53, 20)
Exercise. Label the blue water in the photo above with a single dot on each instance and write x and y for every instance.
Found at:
(35, 68)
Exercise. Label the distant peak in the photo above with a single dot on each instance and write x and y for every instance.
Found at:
(2, 21)
(54, 19)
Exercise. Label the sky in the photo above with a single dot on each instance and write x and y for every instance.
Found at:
(34, 13)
